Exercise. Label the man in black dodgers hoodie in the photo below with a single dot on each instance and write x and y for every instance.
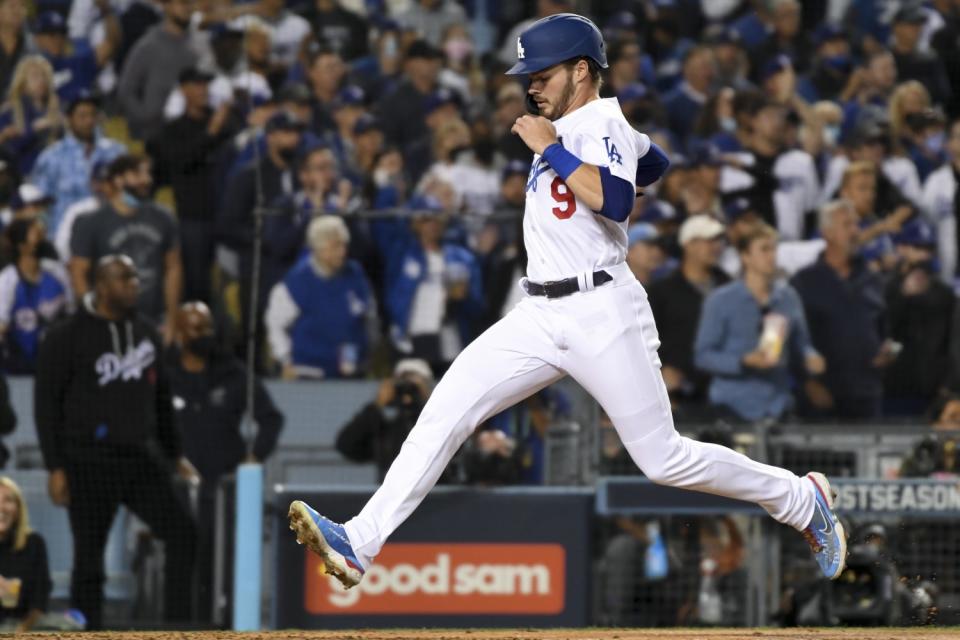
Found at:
(104, 419)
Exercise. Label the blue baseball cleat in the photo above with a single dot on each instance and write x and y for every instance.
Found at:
(825, 534)
(328, 540)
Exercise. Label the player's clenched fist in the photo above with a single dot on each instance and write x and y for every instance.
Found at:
(537, 132)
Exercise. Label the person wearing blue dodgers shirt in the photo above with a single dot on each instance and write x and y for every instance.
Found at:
(34, 292)
(75, 63)
(319, 316)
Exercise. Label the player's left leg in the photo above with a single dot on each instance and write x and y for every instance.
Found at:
(612, 352)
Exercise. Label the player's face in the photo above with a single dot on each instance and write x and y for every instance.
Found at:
(552, 89)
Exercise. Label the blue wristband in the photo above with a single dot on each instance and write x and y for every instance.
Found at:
(561, 160)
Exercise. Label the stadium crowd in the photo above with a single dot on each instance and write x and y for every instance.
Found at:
(800, 255)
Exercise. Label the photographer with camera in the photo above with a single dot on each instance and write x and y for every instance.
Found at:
(378, 431)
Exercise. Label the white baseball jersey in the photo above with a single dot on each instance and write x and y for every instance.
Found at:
(563, 236)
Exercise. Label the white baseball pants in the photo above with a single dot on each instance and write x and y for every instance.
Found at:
(607, 340)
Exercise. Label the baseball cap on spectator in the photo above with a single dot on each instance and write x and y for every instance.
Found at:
(774, 66)
(633, 91)
(349, 96)
(515, 167)
(911, 14)
(916, 233)
(414, 366)
(82, 97)
(28, 194)
(737, 208)
(827, 32)
(706, 155)
(423, 49)
(866, 133)
(642, 232)
(620, 21)
(50, 22)
(366, 122)
(283, 121)
(439, 98)
(720, 34)
(294, 92)
(194, 75)
(700, 227)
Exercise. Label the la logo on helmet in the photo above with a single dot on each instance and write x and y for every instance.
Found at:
(519, 49)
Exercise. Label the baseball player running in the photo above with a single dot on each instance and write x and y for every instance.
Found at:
(584, 315)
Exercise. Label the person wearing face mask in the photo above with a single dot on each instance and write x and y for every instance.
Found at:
(277, 177)
(105, 425)
(209, 401)
(831, 67)
(925, 140)
(130, 223)
(153, 67)
(458, 61)
(34, 292)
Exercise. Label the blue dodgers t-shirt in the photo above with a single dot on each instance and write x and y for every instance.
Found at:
(74, 73)
(27, 308)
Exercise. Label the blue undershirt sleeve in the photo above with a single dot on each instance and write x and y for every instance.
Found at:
(651, 166)
(618, 196)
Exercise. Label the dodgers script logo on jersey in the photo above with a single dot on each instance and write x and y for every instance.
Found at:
(538, 168)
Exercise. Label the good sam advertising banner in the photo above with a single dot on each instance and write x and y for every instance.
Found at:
(465, 557)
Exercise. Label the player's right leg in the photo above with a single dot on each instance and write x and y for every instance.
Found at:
(513, 359)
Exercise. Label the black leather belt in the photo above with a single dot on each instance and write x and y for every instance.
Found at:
(561, 288)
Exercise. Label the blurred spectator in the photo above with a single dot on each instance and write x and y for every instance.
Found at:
(402, 112)
(258, 184)
(105, 425)
(736, 133)
(185, 154)
(325, 74)
(433, 294)
(913, 63)
(751, 331)
(683, 104)
(64, 168)
(347, 108)
(909, 98)
(509, 107)
(459, 72)
(130, 223)
(287, 31)
(869, 84)
(896, 175)
(367, 146)
(430, 18)
(920, 313)
(859, 189)
(30, 119)
(340, 29)
(787, 37)
(322, 191)
(34, 292)
(100, 189)
(477, 187)
(732, 63)
(441, 111)
(380, 71)
(25, 582)
(941, 204)
(153, 67)
(700, 194)
(377, 432)
(924, 141)
(676, 301)
(320, 314)
(944, 44)
(14, 41)
(845, 310)
(77, 63)
(830, 71)
(543, 414)
(780, 182)
(209, 391)
(626, 61)
(27, 203)
(645, 255)
(260, 76)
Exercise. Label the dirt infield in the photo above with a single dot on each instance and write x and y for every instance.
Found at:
(530, 634)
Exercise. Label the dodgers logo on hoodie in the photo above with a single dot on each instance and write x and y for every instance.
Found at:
(131, 366)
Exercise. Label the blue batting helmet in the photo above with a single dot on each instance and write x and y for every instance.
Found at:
(555, 39)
